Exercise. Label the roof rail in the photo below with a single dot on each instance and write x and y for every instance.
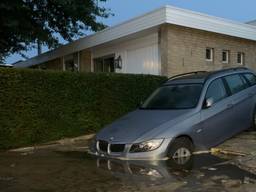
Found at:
(225, 70)
(239, 68)
(185, 74)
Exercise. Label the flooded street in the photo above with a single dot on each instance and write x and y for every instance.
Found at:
(48, 170)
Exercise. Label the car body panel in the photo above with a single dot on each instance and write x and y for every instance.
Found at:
(134, 125)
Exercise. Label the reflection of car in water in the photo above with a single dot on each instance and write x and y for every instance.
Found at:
(191, 170)
(194, 110)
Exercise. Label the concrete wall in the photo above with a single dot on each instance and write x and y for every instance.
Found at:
(85, 61)
(140, 55)
(183, 50)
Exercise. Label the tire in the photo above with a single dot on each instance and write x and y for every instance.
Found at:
(180, 164)
(181, 150)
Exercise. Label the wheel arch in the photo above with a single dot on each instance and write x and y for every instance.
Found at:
(186, 136)
(180, 136)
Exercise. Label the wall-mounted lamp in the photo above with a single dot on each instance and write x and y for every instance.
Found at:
(118, 62)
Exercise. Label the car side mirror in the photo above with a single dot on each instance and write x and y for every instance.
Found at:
(208, 103)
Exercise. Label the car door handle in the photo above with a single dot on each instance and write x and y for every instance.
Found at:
(229, 106)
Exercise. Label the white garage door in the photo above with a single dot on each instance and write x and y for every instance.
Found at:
(143, 60)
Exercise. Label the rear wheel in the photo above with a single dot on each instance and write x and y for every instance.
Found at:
(181, 149)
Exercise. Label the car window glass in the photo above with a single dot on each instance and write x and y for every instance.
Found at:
(174, 97)
(251, 78)
(216, 91)
(246, 84)
(235, 83)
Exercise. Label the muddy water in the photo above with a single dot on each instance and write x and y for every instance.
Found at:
(48, 171)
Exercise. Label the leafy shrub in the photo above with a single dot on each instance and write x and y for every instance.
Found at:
(39, 106)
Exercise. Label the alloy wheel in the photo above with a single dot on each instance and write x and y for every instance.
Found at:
(181, 153)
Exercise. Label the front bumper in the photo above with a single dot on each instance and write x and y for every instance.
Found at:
(157, 154)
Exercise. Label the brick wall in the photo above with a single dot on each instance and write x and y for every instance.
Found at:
(183, 50)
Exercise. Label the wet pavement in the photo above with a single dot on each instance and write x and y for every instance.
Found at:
(65, 166)
(48, 170)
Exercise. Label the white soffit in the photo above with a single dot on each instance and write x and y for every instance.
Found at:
(205, 22)
(167, 14)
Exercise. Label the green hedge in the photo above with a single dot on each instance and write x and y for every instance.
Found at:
(39, 106)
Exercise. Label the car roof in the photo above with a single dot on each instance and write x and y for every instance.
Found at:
(203, 76)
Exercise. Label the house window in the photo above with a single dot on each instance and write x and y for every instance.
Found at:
(225, 56)
(71, 62)
(209, 54)
(104, 64)
(240, 58)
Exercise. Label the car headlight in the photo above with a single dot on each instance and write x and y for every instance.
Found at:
(146, 146)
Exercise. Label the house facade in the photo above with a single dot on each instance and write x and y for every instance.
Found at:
(166, 41)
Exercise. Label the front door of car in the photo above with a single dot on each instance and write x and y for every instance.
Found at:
(217, 118)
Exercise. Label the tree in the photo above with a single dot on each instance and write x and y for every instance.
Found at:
(23, 23)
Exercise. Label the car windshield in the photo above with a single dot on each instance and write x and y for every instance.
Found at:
(180, 96)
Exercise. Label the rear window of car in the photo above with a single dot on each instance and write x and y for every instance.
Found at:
(235, 83)
(251, 78)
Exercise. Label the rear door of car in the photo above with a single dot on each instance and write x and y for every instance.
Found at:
(241, 102)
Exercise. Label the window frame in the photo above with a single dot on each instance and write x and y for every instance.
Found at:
(242, 54)
(227, 56)
(211, 54)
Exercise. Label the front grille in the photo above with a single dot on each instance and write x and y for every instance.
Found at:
(114, 148)
(103, 146)
(117, 148)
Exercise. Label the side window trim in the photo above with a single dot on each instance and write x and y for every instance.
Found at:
(225, 83)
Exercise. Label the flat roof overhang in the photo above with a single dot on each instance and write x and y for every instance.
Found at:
(151, 20)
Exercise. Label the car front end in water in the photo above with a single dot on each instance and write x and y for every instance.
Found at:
(154, 149)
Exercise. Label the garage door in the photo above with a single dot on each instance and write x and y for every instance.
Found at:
(143, 60)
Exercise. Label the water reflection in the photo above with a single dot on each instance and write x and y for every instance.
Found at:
(192, 170)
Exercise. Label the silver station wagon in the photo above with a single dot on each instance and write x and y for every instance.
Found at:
(191, 111)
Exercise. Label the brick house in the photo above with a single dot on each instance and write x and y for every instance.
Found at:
(166, 41)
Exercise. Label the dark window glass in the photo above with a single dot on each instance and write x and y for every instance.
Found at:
(216, 91)
(104, 64)
(174, 97)
(246, 84)
(98, 65)
(209, 54)
(251, 78)
(71, 62)
(240, 58)
(225, 56)
(235, 83)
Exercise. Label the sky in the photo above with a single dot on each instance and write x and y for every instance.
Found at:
(238, 10)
